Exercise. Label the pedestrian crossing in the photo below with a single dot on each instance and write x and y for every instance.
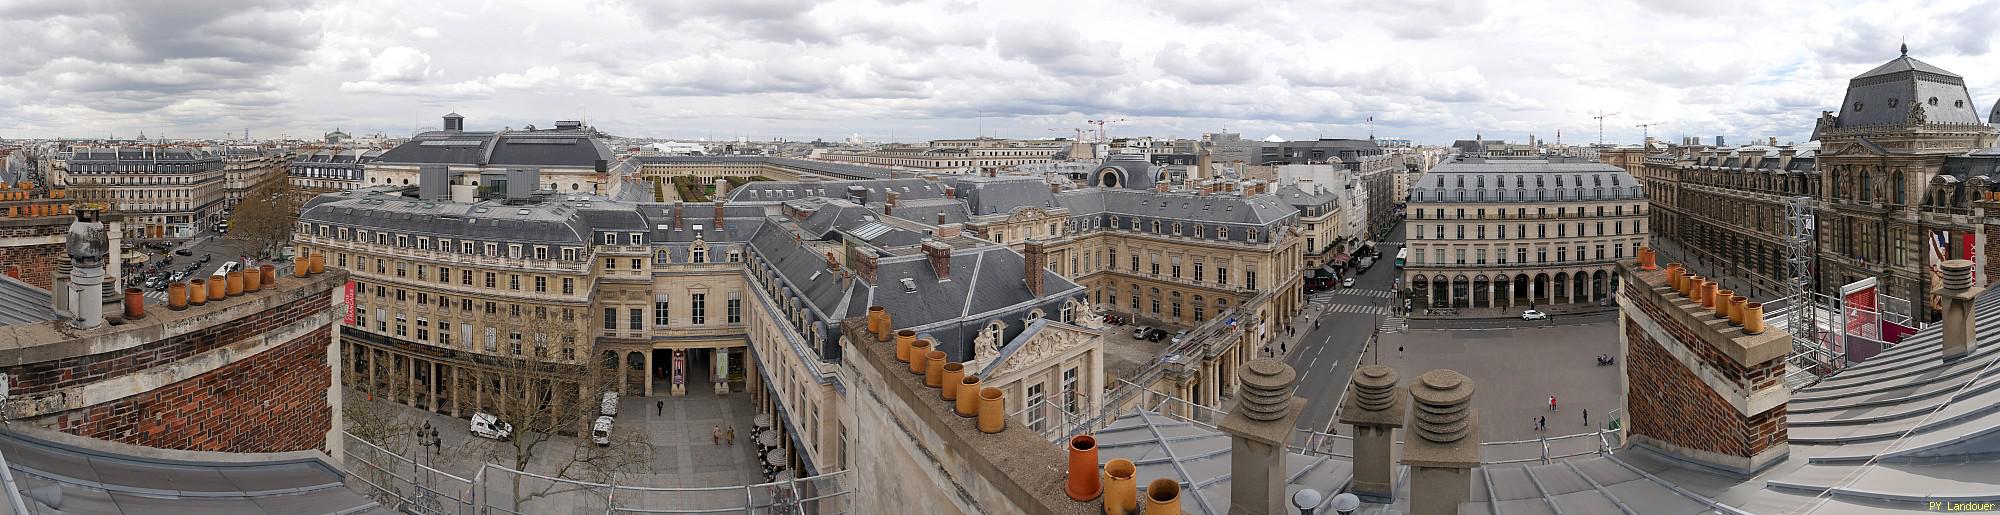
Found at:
(1393, 324)
(1357, 292)
(1351, 308)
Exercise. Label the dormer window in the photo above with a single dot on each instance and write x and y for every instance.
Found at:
(1892, 102)
(1932, 101)
(1857, 106)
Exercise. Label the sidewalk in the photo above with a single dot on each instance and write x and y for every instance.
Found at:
(1515, 312)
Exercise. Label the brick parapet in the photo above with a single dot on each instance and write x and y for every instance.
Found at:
(1697, 388)
(243, 374)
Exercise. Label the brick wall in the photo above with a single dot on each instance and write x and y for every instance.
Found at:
(37, 262)
(1670, 403)
(1991, 250)
(273, 402)
(38, 377)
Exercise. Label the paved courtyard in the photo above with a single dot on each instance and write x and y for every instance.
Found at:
(683, 455)
(1514, 371)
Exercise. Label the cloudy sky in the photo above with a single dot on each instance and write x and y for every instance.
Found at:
(913, 69)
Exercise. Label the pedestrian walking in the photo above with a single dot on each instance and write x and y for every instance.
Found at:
(1281, 348)
(1586, 417)
(659, 407)
(731, 436)
(715, 435)
(1552, 403)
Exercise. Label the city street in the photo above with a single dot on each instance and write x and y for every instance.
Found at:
(1325, 357)
(221, 249)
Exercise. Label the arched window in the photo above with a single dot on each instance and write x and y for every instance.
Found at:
(1900, 188)
(1864, 189)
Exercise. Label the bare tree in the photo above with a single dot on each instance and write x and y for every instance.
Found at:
(544, 392)
(268, 213)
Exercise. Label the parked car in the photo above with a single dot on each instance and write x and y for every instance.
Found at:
(485, 425)
(204, 259)
(1534, 315)
(609, 405)
(1156, 335)
(1139, 333)
(1178, 335)
(600, 432)
(1347, 283)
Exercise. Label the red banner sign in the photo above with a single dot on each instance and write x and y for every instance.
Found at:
(348, 297)
(1859, 301)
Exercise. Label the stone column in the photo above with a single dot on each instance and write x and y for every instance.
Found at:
(1374, 406)
(1444, 447)
(1258, 429)
(647, 387)
(720, 375)
(1958, 292)
(435, 368)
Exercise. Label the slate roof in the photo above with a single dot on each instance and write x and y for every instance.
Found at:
(385, 209)
(580, 148)
(1200, 457)
(986, 284)
(100, 481)
(23, 303)
(999, 195)
(1522, 180)
(1883, 96)
(877, 189)
(1256, 210)
(843, 170)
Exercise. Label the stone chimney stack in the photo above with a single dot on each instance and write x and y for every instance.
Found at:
(1958, 292)
(1374, 406)
(1258, 429)
(88, 247)
(1444, 447)
(1035, 262)
(939, 254)
(718, 214)
(1204, 165)
(889, 203)
(677, 215)
(721, 188)
(1700, 388)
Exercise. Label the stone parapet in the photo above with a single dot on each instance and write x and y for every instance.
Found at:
(924, 458)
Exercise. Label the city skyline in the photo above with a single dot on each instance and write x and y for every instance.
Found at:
(911, 71)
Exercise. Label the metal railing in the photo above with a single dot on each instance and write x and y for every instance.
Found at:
(1539, 450)
(406, 486)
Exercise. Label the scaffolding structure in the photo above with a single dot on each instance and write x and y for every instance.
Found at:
(1813, 354)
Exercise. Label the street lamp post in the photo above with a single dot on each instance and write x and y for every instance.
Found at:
(427, 438)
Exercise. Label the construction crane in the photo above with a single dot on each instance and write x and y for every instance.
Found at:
(1100, 127)
(1600, 115)
(1646, 131)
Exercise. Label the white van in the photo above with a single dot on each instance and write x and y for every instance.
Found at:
(600, 433)
(486, 425)
(228, 267)
(609, 406)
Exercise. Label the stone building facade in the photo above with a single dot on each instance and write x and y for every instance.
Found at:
(1520, 232)
(1885, 204)
(742, 297)
(161, 192)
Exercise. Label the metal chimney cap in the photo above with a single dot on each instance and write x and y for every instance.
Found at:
(1346, 503)
(1306, 499)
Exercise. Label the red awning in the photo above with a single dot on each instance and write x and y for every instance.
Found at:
(1339, 259)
